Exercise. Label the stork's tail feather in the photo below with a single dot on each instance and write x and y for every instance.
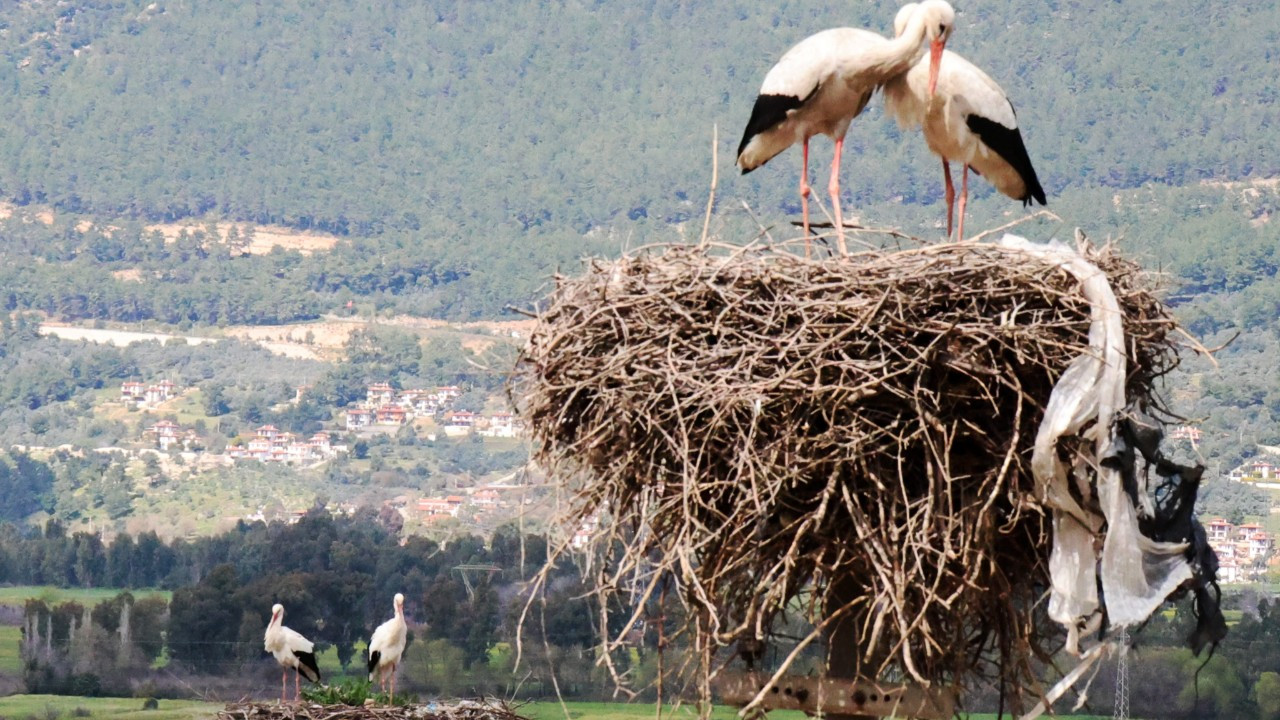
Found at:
(374, 657)
(1034, 191)
(307, 665)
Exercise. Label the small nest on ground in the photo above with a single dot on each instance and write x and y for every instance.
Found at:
(460, 710)
(761, 434)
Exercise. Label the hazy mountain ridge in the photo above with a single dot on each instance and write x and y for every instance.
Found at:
(356, 118)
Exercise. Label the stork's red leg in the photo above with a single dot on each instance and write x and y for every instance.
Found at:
(950, 195)
(804, 196)
(393, 683)
(297, 686)
(833, 187)
(964, 197)
(284, 684)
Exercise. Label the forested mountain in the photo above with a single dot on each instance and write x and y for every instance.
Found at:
(464, 151)
(512, 123)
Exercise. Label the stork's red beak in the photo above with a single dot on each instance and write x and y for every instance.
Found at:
(935, 61)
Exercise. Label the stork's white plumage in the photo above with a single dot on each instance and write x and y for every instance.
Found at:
(386, 646)
(966, 118)
(825, 81)
(291, 650)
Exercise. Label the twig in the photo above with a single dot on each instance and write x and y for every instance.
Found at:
(1015, 223)
(715, 174)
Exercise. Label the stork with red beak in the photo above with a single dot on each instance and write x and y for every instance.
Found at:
(966, 118)
(825, 81)
(387, 646)
(291, 650)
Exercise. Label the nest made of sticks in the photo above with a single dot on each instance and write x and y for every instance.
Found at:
(847, 437)
(459, 710)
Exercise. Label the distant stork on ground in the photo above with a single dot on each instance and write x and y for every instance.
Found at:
(824, 82)
(386, 647)
(967, 118)
(291, 650)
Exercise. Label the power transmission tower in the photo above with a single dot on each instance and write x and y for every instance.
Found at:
(1122, 677)
(480, 571)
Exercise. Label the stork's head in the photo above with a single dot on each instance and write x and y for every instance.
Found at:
(937, 19)
(277, 611)
(399, 600)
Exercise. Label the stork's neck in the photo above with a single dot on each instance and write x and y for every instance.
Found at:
(898, 54)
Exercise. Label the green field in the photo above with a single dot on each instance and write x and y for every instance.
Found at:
(58, 707)
(9, 638)
(18, 595)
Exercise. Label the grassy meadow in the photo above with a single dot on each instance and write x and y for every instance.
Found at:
(10, 636)
(18, 595)
(56, 707)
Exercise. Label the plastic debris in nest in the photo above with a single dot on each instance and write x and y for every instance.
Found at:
(456, 710)
(917, 442)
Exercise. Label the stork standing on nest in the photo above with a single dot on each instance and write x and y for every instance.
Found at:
(824, 82)
(291, 650)
(386, 647)
(966, 118)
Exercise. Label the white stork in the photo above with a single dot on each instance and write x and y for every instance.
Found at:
(291, 650)
(386, 647)
(967, 118)
(824, 82)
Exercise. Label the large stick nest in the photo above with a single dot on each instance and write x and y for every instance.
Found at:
(846, 437)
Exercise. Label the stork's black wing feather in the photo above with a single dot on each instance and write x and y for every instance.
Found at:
(1007, 143)
(768, 111)
(374, 657)
(307, 665)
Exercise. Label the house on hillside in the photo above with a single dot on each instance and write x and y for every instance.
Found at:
(1256, 470)
(424, 403)
(1243, 551)
(458, 423)
(320, 445)
(1219, 530)
(429, 507)
(358, 418)
(485, 498)
(503, 425)
(158, 393)
(269, 444)
(132, 391)
(390, 415)
(1229, 571)
(379, 394)
(166, 434)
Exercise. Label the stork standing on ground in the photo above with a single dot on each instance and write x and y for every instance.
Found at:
(386, 647)
(966, 118)
(291, 650)
(824, 82)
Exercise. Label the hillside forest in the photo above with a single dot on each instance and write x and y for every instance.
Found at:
(242, 178)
